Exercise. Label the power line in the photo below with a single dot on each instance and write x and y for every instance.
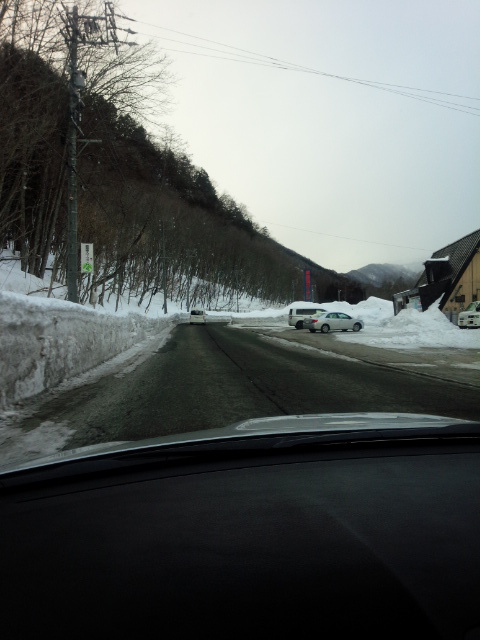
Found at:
(436, 102)
(264, 60)
(199, 46)
(329, 235)
(430, 100)
(291, 64)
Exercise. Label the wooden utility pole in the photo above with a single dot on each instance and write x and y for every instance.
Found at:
(189, 255)
(73, 116)
(164, 271)
(80, 30)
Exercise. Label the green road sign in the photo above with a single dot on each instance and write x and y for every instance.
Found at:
(87, 267)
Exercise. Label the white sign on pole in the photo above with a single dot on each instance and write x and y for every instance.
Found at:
(86, 258)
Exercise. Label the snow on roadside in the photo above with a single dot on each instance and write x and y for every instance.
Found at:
(45, 341)
(373, 312)
(50, 437)
(19, 446)
(412, 329)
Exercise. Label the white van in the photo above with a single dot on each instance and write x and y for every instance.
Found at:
(197, 316)
(296, 315)
(470, 318)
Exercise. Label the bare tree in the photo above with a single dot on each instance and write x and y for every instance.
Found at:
(136, 80)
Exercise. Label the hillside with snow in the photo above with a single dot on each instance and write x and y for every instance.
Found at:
(379, 275)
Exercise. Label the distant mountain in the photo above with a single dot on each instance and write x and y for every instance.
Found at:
(380, 275)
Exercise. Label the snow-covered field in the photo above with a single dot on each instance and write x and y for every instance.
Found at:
(48, 342)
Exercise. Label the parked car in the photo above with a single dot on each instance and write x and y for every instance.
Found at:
(296, 316)
(470, 318)
(332, 321)
(197, 316)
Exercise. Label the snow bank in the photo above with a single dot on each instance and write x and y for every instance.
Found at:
(412, 329)
(373, 312)
(252, 320)
(45, 341)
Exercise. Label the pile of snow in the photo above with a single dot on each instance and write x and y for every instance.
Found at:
(411, 329)
(49, 341)
(373, 312)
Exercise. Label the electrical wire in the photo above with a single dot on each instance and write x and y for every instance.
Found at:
(434, 101)
(271, 58)
(330, 235)
(294, 65)
(270, 61)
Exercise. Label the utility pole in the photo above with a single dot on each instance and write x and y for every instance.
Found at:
(164, 271)
(72, 206)
(80, 30)
(190, 255)
(235, 273)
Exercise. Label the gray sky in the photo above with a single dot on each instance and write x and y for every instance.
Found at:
(342, 173)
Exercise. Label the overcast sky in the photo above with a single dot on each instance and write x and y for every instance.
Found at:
(343, 173)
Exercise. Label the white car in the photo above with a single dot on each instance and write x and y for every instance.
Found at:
(297, 315)
(470, 318)
(197, 316)
(332, 321)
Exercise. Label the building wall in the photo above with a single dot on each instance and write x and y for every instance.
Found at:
(469, 290)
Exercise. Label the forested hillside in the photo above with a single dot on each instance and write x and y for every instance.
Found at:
(383, 280)
(156, 221)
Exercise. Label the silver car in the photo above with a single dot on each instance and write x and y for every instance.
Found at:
(332, 321)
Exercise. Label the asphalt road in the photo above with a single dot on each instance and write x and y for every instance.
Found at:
(214, 375)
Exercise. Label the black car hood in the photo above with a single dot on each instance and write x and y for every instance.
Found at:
(294, 425)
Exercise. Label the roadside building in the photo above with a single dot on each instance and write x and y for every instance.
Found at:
(452, 274)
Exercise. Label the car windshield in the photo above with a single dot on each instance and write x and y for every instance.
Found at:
(182, 187)
(473, 306)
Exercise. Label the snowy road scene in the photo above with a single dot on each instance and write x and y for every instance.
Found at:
(98, 375)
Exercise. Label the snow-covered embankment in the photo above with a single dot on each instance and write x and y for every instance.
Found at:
(45, 342)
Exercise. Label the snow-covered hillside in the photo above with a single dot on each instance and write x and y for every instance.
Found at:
(378, 275)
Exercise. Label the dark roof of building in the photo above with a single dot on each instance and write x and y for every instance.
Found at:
(459, 254)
